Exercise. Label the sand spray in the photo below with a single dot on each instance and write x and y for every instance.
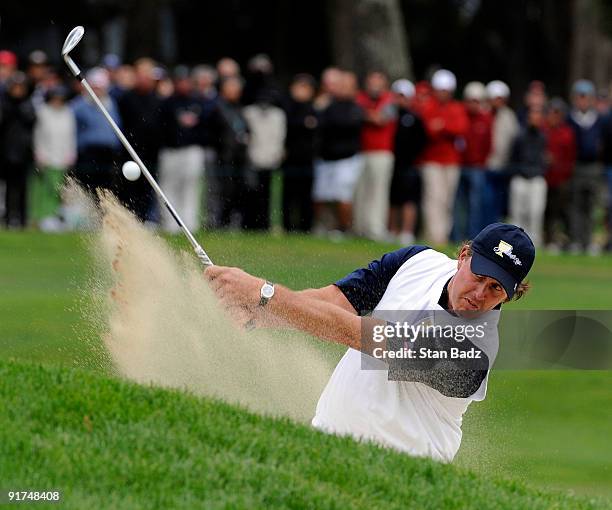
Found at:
(161, 324)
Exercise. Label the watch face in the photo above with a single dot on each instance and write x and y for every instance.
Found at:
(267, 291)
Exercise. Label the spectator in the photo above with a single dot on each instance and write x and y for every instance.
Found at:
(422, 95)
(51, 80)
(410, 139)
(528, 186)
(607, 161)
(468, 215)
(535, 97)
(205, 78)
(337, 171)
(37, 66)
(331, 82)
(54, 153)
(16, 126)
(111, 62)
(504, 131)
(446, 123)
(125, 79)
(371, 211)
(230, 134)
(122, 77)
(561, 150)
(587, 179)
(603, 102)
(268, 127)
(227, 68)
(260, 79)
(140, 110)
(164, 84)
(98, 148)
(299, 154)
(181, 161)
(8, 65)
(38, 69)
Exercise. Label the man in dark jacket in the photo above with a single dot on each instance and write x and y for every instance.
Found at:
(587, 178)
(140, 110)
(339, 167)
(259, 78)
(299, 154)
(17, 123)
(528, 185)
(410, 140)
(230, 136)
(607, 161)
(181, 162)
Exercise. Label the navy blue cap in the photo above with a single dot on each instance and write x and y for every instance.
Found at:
(503, 252)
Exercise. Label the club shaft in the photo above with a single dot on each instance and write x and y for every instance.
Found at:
(204, 258)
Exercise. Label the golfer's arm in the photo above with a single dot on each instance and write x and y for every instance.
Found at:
(324, 313)
(331, 295)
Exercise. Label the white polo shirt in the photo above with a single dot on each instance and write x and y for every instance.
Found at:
(408, 416)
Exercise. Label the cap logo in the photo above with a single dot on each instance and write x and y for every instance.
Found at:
(504, 248)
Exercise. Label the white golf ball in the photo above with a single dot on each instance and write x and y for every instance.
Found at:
(131, 171)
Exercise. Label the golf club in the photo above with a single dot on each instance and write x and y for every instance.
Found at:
(75, 35)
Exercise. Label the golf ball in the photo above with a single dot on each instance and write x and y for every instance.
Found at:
(131, 171)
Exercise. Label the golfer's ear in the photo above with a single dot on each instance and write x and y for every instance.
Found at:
(463, 255)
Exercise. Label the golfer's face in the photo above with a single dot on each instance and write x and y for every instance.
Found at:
(474, 294)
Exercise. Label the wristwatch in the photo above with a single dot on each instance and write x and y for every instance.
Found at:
(266, 293)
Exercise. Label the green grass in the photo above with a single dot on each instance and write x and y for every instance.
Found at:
(550, 430)
(110, 444)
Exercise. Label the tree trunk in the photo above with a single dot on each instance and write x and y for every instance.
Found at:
(591, 54)
(370, 35)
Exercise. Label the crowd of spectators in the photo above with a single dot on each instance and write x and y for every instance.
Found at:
(386, 161)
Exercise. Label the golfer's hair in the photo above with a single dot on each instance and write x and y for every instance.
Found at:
(522, 288)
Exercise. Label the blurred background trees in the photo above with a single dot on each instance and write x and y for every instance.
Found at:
(555, 41)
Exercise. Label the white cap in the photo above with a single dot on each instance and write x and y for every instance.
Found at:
(497, 88)
(475, 90)
(443, 79)
(403, 87)
(98, 77)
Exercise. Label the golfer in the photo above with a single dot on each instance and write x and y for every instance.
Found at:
(421, 412)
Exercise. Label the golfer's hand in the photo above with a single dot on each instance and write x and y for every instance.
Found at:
(234, 287)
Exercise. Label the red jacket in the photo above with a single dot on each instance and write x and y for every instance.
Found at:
(446, 125)
(478, 139)
(375, 137)
(562, 153)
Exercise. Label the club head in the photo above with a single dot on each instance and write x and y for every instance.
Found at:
(75, 35)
